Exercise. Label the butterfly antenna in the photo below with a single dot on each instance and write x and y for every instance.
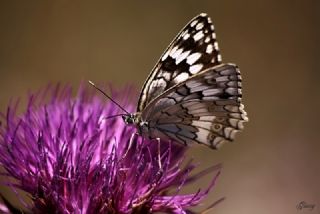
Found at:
(105, 94)
(112, 116)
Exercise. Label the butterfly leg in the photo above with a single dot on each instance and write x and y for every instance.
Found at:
(159, 154)
(131, 141)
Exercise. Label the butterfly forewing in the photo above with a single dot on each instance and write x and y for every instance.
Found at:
(193, 50)
(206, 108)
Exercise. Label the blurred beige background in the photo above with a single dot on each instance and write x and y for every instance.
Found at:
(274, 163)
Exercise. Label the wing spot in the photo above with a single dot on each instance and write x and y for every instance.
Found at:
(201, 124)
(160, 83)
(198, 36)
(216, 46)
(244, 117)
(219, 58)
(232, 91)
(212, 92)
(166, 75)
(233, 122)
(236, 116)
(240, 124)
(193, 23)
(233, 134)
(214, 140)
(173, 50)
(182, 77)
(202, 135)
(195, 68)
(199, 26)
(207, 118)
(193, 58)
(241, 107)
(217, 127)
(209, 49)
(218, 142)
(232, 108)
(176, 53)
(185, 37)
(229, 133)
(182, 56)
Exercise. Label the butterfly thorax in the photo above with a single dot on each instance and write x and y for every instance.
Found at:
(136, 120)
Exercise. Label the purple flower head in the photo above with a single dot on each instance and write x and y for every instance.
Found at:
(71, 159)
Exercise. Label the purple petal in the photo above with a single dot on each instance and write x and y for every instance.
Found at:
(70, 159)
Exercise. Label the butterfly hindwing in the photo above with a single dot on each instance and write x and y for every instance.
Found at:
(206, 108)
(194, 49)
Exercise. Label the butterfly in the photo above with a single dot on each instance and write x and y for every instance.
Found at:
(190, 96)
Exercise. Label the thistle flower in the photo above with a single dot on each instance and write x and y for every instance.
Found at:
(71, 159)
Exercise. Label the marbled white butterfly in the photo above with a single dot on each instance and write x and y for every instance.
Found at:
(190, 96)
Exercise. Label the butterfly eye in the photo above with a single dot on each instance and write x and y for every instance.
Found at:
(216, 127)
(127, 119)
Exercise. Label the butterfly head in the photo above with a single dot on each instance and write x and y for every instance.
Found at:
(128, 118)
(135, 119)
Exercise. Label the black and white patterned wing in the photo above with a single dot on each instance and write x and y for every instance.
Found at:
(206, 108)
(194, 49)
